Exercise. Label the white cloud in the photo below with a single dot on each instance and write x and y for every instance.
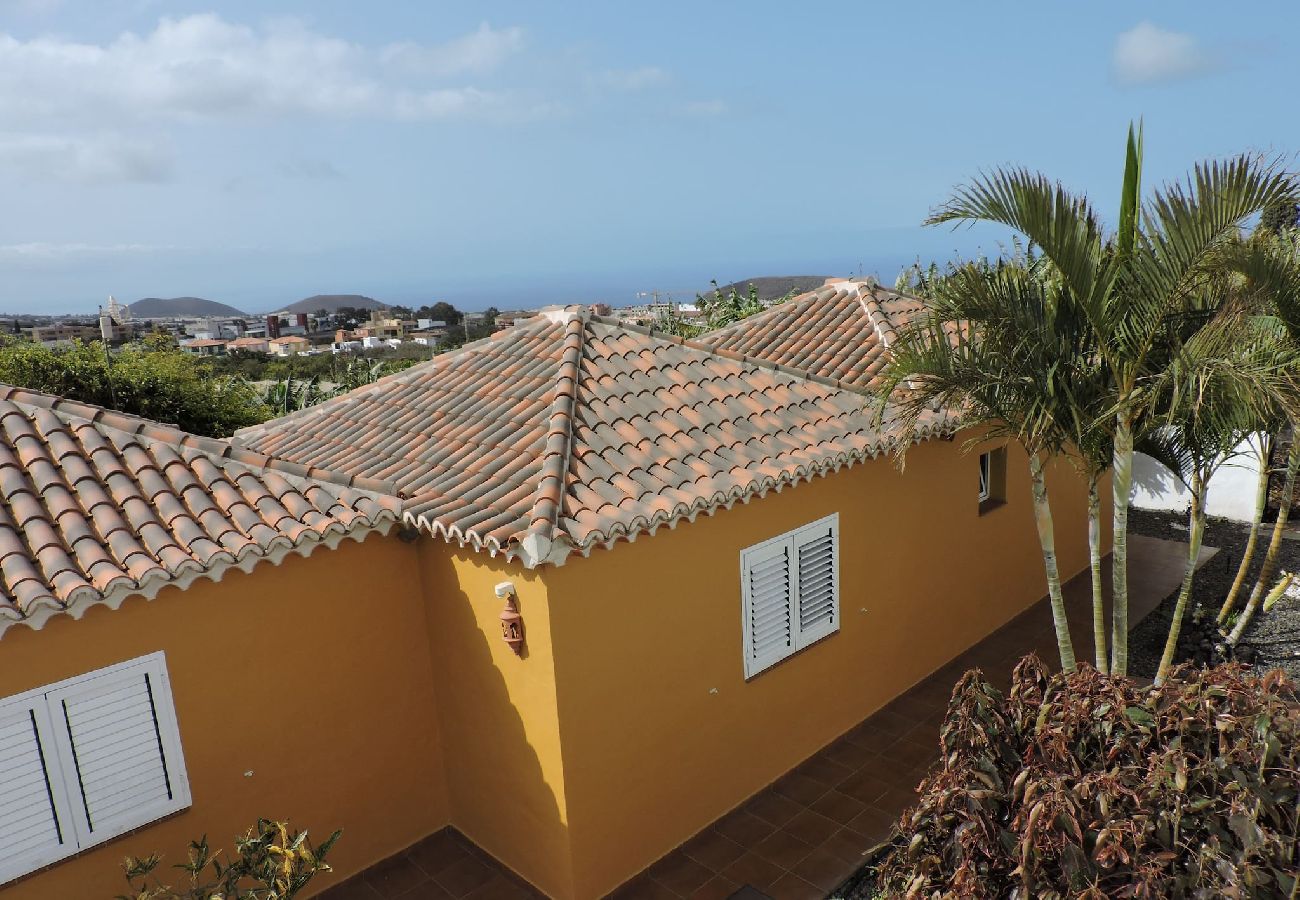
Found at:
(478, 52)
(202, 67)
(98, 159)
(1147, 54)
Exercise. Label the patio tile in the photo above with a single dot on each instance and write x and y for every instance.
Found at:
(464, 876)
(812, 827)
(437, 852)
(849, 754)
(500, 887)
(429, 890)
(838, 807)
(773, 807)
(752, 869)
(354, 888)
(717, 888)
(799, 788)
(791, 887)
(394, 876)
(866, 786)
(643, 887)
(891, 723)
(680, 874)
(826, 770)
(743, 828)
(783, 849)
(849, 845)
(713, 850)
(823, 868)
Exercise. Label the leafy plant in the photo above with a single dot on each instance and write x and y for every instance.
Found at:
(1084, 785)
(271, 863)
(149, 378)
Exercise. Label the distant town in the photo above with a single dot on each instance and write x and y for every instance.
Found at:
(328, 324)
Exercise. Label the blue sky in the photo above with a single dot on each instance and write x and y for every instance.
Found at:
(520, 153)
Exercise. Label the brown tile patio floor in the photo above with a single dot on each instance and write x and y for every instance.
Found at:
(804, 834)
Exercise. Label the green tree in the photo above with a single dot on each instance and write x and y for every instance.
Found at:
(1224, 382)
(1139, 289)
(998, 345)
(1280, 216)
(149, 378)
(1270, 263)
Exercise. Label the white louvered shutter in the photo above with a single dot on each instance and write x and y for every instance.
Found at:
(35, 828)
(816, 551)
(120, 748)
(767, 573)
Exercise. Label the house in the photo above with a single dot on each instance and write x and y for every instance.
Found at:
(249, 345)
(638, 579)
(164, 579)
(288, 345)
(205, 347)
(63, 333)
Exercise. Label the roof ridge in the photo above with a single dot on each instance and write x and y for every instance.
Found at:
(733, 356)
(222, 448)
(548, 503)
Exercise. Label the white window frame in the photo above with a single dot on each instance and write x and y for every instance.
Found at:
(788, 544)
(72, 819)
(986, 475)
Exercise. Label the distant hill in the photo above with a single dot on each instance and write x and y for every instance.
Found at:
(333, 302)
(771, 287)
(163, 308)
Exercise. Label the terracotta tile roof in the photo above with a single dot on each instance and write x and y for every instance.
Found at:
(841, 331)
(569, 432)
(97, 506)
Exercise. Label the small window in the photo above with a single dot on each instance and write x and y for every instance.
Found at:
(790, 587)
(993, 479)
(86, 760)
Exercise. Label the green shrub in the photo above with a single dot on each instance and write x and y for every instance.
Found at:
(270, 863)
(1089, 786)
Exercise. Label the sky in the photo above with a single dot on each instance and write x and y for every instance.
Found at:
(521, 153)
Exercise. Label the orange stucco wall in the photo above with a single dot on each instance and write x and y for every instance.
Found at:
(661, 732)
(369, 687)
(314, 675)
(498, 713)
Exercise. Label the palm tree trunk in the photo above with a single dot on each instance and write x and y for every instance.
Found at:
(1274, 545)
(1196, 527)
(1248, 555)
(1123, 482)
(1094, 558)
(1047, 538)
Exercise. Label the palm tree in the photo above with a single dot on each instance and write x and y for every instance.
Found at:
(1137, 290)
(1271, 266)
(1216, 390)
(996, 345)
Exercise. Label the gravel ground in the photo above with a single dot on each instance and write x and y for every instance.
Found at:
(1273, 639)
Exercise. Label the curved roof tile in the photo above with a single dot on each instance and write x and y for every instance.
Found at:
(569, 431)
(97, 506)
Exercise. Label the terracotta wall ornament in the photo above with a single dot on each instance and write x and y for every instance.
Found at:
(512, 623)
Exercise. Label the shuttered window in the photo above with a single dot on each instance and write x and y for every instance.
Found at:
(86, 760)
(791, 593)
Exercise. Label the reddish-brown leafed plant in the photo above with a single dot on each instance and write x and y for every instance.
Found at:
(1087, 786)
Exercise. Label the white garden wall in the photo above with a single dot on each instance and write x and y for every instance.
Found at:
(1232, 491)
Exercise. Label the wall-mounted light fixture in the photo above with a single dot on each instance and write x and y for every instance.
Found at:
(512, 623)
